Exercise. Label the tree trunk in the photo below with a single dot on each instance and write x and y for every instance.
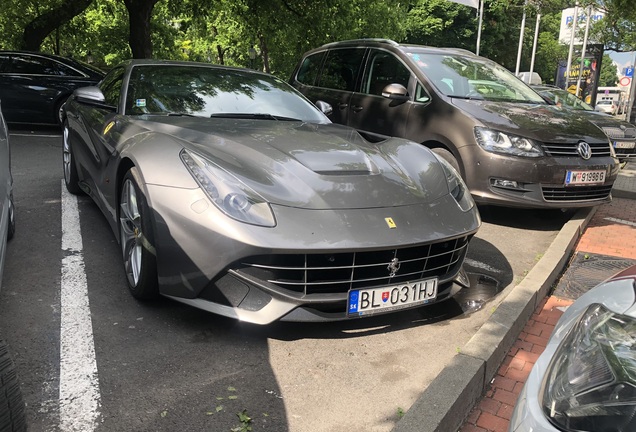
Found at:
(264, 53)
(37, 30)
(139, 13)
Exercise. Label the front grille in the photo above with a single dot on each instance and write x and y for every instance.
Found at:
(576, 193)
(328, 273)
(570, 149)
(625, 153)
(617, 132)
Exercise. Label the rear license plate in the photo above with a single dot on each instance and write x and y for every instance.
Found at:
(624, 144)
(379, 300)
(584, 177)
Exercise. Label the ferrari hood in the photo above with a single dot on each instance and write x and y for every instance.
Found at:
(312, 166)
(542, 122)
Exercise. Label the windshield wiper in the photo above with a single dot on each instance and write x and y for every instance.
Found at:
(468, 97)
(257, 116)
(180, 114)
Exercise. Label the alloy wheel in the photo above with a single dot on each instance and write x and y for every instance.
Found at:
(131, 232)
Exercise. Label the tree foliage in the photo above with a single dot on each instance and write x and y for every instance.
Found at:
(277, 32)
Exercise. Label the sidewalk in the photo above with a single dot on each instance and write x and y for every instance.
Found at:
(490, 370)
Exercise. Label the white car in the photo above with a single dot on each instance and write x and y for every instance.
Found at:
(585, 380)
(607, 106)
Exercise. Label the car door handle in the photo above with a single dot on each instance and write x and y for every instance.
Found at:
(357, 108)
(343, 106)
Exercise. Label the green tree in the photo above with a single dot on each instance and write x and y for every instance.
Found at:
(617, 30)
(608, 75)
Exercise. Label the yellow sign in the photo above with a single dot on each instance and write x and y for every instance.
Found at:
(390, 223)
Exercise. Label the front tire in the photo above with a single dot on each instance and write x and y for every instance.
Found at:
(137, 239)
(71, 179)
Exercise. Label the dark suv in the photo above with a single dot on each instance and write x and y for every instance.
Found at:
(509, 144)
(33, 86)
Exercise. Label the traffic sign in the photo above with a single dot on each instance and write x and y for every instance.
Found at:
(625, 81)
(629, 71)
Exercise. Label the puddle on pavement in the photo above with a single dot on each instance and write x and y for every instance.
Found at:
(482, 288)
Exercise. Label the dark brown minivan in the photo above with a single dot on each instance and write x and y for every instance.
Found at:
(511, 147)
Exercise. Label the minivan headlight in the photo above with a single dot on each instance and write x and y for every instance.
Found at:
(500, 142)
(227, 193)
(456, 185)
(590, 384)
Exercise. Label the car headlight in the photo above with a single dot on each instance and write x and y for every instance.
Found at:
(590, 384)
(228, 193)
(499, 142)
(456, 185)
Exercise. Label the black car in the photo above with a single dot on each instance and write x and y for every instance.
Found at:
(34, 86)
(621, 134)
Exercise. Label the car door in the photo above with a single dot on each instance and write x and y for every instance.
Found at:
(337, 81)
(371, 112)
(94, 124)
(33, 87)
(26, 92)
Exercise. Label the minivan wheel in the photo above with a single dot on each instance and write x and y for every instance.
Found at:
(448, 157)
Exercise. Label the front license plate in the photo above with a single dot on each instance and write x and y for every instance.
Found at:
(376, 300)
(584, 177)
(624, 144)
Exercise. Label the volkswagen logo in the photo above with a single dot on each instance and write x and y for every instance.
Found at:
(393, 267)
(584, 150)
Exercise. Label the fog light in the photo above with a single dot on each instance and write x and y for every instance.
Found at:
(506, 184)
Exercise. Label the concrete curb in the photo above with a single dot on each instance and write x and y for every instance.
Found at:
(447, 401)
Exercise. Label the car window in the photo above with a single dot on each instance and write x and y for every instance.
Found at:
(341, 69)
(111, 86)
(464, 76)
(308, 71)
(5, 61)
(564, 98)
(421, 95)
(31, 65)
(210, 91)
(384, 68)
(64, 70)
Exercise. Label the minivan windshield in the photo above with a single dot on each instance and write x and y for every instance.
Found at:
(469, 77)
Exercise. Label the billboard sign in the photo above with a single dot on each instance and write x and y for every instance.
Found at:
(589, 74)
(567, 21)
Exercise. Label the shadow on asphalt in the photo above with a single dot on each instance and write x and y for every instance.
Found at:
(532, 219)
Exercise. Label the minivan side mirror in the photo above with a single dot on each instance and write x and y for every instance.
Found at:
(396, 92)
(325, 107)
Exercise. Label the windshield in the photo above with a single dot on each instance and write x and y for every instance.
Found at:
(470, 77)
(206, 91)
(564, 99)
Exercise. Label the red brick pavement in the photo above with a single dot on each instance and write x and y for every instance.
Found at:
(612, 231)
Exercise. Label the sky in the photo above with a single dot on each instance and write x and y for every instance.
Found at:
(622, 59)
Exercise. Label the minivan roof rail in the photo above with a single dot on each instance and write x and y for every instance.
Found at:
(362, 40)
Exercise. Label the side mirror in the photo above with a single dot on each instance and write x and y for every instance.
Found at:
(395, 92)
(324, 107)
(90, 95)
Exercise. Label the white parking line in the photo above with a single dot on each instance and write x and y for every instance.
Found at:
(79, 384)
